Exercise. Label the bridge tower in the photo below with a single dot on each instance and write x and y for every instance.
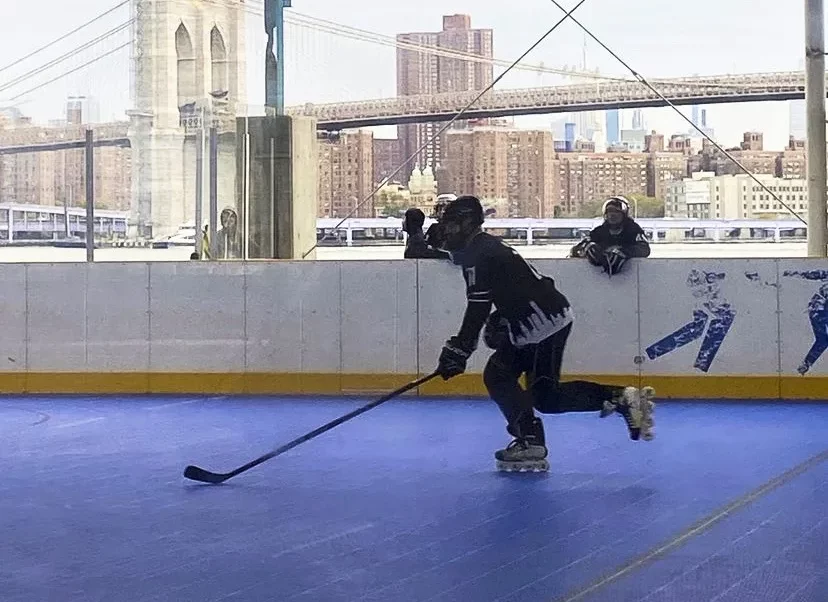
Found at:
(188, 73)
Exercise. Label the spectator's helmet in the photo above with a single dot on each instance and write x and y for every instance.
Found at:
(440, 205)
(615, 210)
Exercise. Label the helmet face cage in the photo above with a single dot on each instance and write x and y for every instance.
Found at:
(459, 220)
(619, 204)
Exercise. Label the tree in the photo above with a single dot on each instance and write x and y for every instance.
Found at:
(647, 206)
(590, 209)
(391, 204)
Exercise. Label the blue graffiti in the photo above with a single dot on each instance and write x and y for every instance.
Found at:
(817, 314)
(711, 307)
(754, 277)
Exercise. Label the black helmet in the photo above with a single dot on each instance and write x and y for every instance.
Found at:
(413, 220)
(463, 207)
(460, 219)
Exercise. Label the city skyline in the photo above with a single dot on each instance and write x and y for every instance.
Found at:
(339, 61)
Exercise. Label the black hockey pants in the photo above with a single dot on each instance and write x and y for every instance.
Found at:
(545, 393)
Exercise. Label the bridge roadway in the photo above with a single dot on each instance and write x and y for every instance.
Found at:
(626, 94)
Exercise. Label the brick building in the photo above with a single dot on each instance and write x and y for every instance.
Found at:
(420, 73)
(58, 177)
(346, 175)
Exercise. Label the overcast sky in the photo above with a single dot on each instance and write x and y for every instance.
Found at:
(656, 37)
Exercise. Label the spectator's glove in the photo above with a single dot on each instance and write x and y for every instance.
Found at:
(616, 258)
(593, 254)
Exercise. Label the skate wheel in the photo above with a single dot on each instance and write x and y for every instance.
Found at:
(647, 409)
(539, 466)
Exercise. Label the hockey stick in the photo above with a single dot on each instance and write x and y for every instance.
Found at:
(205, 476)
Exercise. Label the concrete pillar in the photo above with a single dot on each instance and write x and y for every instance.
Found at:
(277, 185)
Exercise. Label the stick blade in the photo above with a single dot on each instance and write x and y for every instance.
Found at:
(194, 473)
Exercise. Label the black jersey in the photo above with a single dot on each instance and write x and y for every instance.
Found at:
(629, 237)
(495, 273)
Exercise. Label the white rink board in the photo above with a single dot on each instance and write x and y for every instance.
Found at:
(697, 298)
(390, 317)
(117, 338)
(293, 317)
(197, 317)
(13, 312)
(379, 317)
(797, 332)
(604, 337)
(56, 323)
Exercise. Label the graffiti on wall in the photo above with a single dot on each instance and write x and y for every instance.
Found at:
(817, 311)
(713, 317)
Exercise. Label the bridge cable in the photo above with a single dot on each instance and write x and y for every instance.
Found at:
(448, 124)
(303, 20)
(71, 71)
(64, 36)
(65, 56)
(643, 81)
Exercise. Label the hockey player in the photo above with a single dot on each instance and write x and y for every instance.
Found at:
(528, 332)
(611, 244)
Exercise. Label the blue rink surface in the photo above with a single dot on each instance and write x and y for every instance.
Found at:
(403, 504)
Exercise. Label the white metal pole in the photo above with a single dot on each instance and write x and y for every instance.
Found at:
(199, 238)
(90, 195)
(815, 113)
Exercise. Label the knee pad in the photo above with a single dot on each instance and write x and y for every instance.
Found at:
(496, 332)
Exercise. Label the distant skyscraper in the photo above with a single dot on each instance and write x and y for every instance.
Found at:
(419, 73)
(613, 126)
(569, 136)
(82, 110)
(637, 120)
(699, 119)
(695, 116)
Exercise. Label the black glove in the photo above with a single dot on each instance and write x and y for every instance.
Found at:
(616, 258)
(593, 254)
(578, 250)
(453, 359)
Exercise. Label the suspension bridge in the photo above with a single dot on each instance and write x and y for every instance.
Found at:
(114, 45)
(555, 99)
